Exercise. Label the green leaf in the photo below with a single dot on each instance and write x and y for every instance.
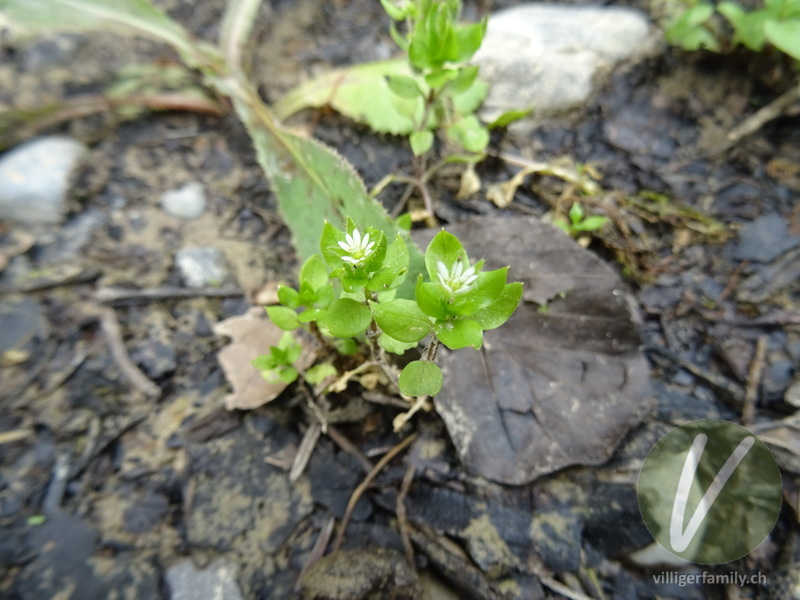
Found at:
(499, 311)
(401, 319)
(459, 333)
(130, 17)
(785, 36)
(404, 222)
(421, 142)
(466, 77)
(576, 213)
(438, 78)
(266, 362)
(346, 318)
(420, 378)
(404, 86)
(283, 317)
(470, 38)
(487, 288)
(314, 272)
(287, 374)
(444, 248)
(311, 314)
(347, 346)
(288, 296)
(319, 373)
(401, 41)
(311, 182)
(394, 270)
(237, 23)
(394, 346)
(748, 27)
(362, 93)
(398, 13)
(689, 31)
(590, 223)
(509, 117)
(431, 299)
(470, 133)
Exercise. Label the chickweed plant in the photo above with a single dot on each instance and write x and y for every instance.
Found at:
(347, 299)
(438, 48)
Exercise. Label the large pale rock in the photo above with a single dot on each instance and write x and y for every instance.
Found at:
(34, 179)
(551, 57)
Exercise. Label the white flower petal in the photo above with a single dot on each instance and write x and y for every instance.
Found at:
(365, 240)
(441, 270)
(356, 238)
(345, 247)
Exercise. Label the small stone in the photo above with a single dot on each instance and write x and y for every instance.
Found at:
(764, 239)
(187, 202)
(777, 377)
(548, 56)
(70, 239)
(203, 266)
(34, 179)
(792, 396)
(218, 580)
(21, 320)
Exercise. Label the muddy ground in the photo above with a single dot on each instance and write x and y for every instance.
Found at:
(130, 484)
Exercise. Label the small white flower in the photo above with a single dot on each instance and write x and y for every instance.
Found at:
(357, 247)
(457, 280)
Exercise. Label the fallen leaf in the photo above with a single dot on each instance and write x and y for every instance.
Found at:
(253, 333)
(550, 388)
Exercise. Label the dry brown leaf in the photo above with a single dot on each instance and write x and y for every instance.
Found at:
(253, 333)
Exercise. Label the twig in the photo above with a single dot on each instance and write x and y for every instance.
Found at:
(718, 381)
(100, 446)
(113, 295)
(733, 281)
(757, 120)
(562, 589)
(15, 435)
(72, 277)
(345, 444)
(357, 493)
(305, 451)
(110, 325)
(58, 484)
(461, 573)
(317, 551)
(400, 509)
(753, 381)
(403, 418)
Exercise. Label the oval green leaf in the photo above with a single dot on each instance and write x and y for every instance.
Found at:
(401, 319)
(346, 318)
(420, 378)
(283, 317)
(460, 333)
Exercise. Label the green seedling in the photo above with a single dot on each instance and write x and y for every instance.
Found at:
(775, 22)
(438, 49)
(579, 222)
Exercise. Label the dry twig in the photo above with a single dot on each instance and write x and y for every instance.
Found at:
(110, 325)
(753, 381)
(359, 491)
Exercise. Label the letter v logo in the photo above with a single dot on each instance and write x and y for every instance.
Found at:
(710, 491)
(678, 537)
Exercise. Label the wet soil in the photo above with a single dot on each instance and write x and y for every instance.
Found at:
(131, 483)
